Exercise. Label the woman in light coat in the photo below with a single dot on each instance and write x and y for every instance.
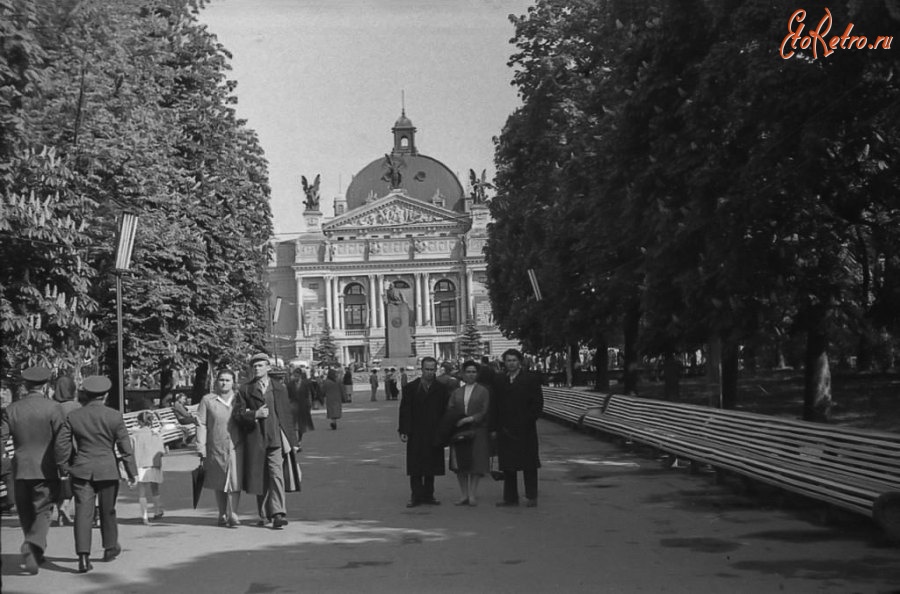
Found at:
(220, 444)
(470, 459)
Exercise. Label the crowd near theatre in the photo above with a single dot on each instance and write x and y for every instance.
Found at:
(396, 272)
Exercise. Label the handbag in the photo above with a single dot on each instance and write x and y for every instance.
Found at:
(463, 435)
(65, 489)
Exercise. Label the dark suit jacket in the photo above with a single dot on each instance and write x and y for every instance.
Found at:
(86, 443)
(420, 416)
(33, 422)
(249, 399)
(516, 408)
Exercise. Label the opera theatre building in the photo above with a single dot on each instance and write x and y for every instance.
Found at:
(398, 270)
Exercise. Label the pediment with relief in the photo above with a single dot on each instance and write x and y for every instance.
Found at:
(397, 210)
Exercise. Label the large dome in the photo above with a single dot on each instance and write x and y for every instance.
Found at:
(420, 176)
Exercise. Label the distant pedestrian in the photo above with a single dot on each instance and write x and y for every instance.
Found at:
(373, 385)
(333, 391)
(517, 404)
(348, 384)
(422, 407)
(300, 394)
(34, 422)
(149, 450)
(391, 384)
(447, 378)
(220, 444)
(404, 379)
(262, 409)
(86, 447)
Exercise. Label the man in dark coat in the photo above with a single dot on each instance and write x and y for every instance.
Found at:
(33, 422)
(422, 406)
(517, 403)
(86, 447)
(263, 411)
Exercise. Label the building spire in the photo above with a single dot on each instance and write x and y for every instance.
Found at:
(402, 102)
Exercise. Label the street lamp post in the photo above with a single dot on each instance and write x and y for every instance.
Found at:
(125, 244)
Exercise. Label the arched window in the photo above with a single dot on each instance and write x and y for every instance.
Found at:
(444, 303)
(355, 306)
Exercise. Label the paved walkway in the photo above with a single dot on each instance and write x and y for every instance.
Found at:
(608, 521)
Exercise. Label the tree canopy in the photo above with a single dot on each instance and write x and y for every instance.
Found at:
(673, 176)
(113, 107)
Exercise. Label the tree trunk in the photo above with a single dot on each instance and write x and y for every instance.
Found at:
(601, 364)
(816, 375)
(632, 323)
(729, 379)
(671, 377)
(571, 353)
(714, 371)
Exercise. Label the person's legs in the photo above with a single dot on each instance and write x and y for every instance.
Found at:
(157, 501)
(415, 488)
(474, 479)
(531, 483)
(24, 505)
(510, 487)
(463, 480)
(221, 507)
(84, 494)
(142, 500)
(234, 502)
(428, 489)
(275, 486)
(107, 492)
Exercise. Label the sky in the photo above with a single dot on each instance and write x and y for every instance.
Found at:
(320, 81)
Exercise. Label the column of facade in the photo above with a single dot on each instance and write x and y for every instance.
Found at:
(470, 298)
(373, 314)
(329, 307)
(301, 327)
(430, 299)
(339, 309)
(417, 296)
(380, 281)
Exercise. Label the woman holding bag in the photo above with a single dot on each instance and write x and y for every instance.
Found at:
(470, 447)
(219, 442)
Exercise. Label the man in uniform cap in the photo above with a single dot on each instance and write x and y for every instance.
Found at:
(263, 411)
(34, 422)
(96, 430)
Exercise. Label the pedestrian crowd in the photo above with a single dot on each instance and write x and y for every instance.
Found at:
(248, 439)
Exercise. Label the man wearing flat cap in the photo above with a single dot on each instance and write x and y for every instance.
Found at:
(34, 423)
(87, 447)
(263, 411)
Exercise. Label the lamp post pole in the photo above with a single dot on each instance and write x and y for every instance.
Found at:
(125, 243)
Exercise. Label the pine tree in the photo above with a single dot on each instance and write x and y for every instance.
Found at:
(470, 346)
(325, 350)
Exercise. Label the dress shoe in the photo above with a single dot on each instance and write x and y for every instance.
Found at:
(158, 515)
(462, 502)
(279, 522)
(531, 503)
(507, 504)
(111, 553)
(262, 521)
(30, 558)
(412, 503)
(234, 522)
(84, 563)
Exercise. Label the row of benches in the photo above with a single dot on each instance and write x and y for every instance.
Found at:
(853, 469)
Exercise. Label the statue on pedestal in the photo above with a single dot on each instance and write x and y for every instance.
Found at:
(479, 186)
(311, 192)
(393, 175)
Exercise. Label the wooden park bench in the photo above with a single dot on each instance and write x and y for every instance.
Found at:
(854, 469)
(164, 419)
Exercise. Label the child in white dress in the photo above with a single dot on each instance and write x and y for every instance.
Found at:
(149, 449)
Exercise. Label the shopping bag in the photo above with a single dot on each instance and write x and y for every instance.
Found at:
(293, 475)
(198, 475)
